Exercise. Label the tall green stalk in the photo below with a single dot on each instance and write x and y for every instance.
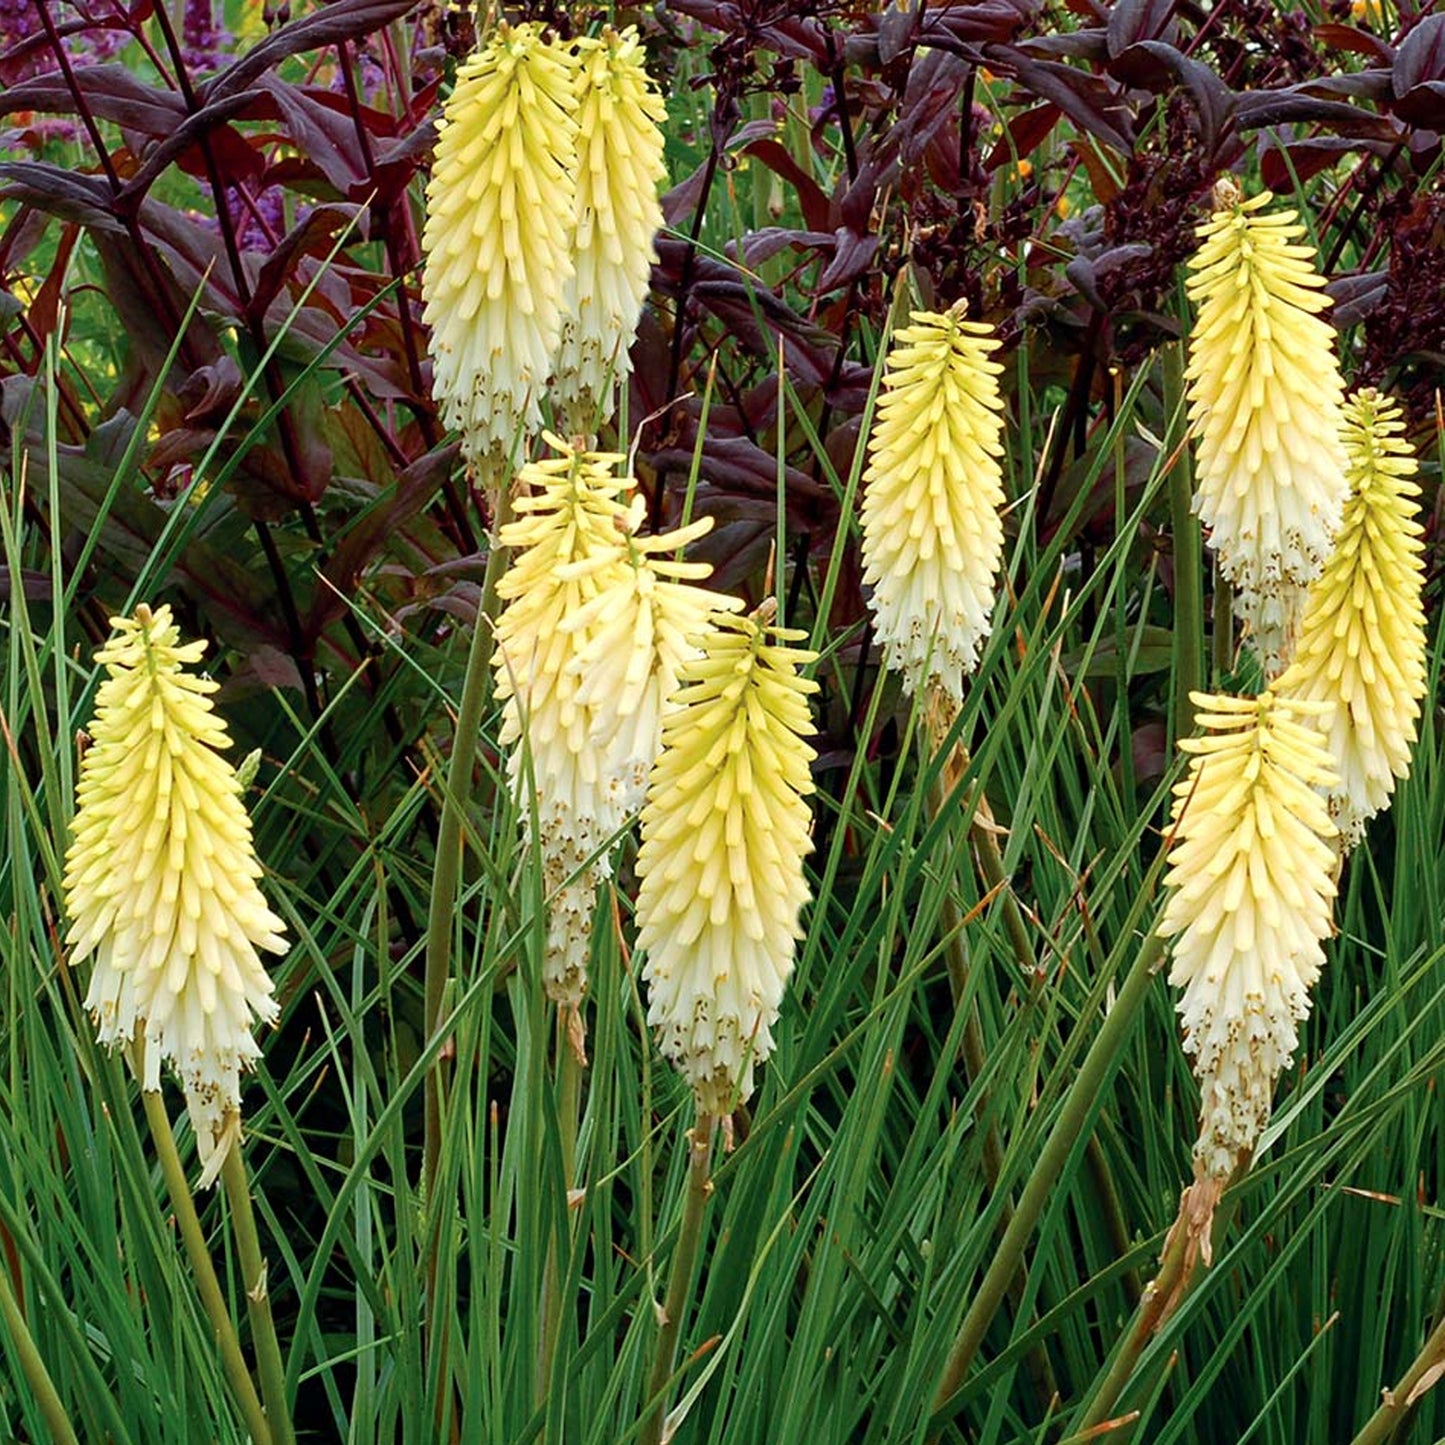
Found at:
(569, 1102)
(209, 1287)
(258, 1298)
(1188, 552)
(1099, 1063)
(33, 1367)
(445, 877)
(684, 1261)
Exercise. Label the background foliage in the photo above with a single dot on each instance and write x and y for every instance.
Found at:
(214, 390)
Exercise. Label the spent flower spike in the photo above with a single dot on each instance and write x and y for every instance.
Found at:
(1251, 882)
(619, 166)
(724, 834)
(498, 236)
(161, 879)
(932, 530)
(1362, 644)
(1264, 394)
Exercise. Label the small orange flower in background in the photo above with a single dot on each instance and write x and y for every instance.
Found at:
(161, 879)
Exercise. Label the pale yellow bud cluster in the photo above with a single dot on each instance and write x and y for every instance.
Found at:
(1362, 643)
(541, 213)
(596, 624)
(161, 879)
(1264, 393)
(1251, 883)
(932, 529)
(724, 835)
(620, 164)
(498, 235)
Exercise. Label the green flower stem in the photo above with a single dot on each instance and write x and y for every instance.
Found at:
(1396, 1405)
(447, 871)
(1188, 556)
(1104, 1054)
(569, 1102)
(33, 1367)
(446, 875)
(684, 1259)
(1171, 1286)
(258, 1299)
(990, 862)
(184, 1208)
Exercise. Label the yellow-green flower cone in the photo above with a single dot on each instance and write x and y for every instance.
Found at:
(498, 236)
(161, 879)
(1264, 395)
(620, 165)
(1362, 643)
(932, 529)
(1251, 887)
(724, 835)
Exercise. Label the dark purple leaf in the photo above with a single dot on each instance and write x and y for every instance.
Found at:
(338, 21)
(190, 132)
(1423, 106)
(1421, 56)
(1157, 67)
(850, 259)
(111, 93)
(1261, 108)
(1308, 158)
(811, 200)
(763, 244)
(1086, 99)
(378, 524)
(63, 193)
(1362, 42)
(682, 200)
(981, 20)
(1023, 134)
(896, 29)
(325, 137)
(1356, 297)
(1134, 21)
(1089, 45)
(313, 237)
(796, 36)
(930, 101)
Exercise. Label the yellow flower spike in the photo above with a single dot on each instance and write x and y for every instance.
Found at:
(1264, 393)
(1251, 888)
(570, 533)
(161, 879)
(498, 236)
(640, 630)
(932, 531)
(1362, 643)
(724, 834)
(620, 165)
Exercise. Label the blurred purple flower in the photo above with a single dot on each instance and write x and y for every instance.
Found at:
(204, 44)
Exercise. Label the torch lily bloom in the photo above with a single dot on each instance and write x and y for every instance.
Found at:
(1251, 883)
(724, 835)
(1264, 394)
(161, 879)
